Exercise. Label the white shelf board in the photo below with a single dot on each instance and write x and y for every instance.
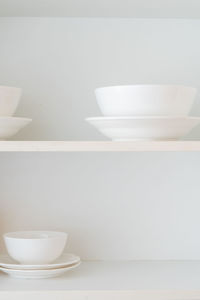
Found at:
(97, 146)
(101, 8)
(112, 280)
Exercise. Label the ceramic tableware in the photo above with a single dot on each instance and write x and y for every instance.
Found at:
(64, 260)
(35, 247)
(38, 274)
(9, 100)
(9, 126)
(145, 100)
(144, 128)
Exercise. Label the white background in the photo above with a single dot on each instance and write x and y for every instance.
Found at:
(114, 205)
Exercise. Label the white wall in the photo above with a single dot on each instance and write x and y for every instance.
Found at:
(114, 205)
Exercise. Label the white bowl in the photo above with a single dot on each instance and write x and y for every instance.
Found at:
(9, 100)
(35, 247)
(9, 126)
(144, 128)
(145, 100)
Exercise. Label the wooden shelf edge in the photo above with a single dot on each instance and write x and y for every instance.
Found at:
(99, 295)
(97, 146)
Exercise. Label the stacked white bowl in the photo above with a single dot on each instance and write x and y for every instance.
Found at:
(36, 254)
(9, 100)
(145, 112)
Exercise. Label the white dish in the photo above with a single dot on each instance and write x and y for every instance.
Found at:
(145, 100)
(9, 100)
(9, 126)
(38, 274)
(65, 260)
(35, 247)
(144, 128)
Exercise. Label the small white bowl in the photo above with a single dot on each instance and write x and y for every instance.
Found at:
(144, 128)
(35, 247)
(145, 100)
(9, 126)
(9, 100)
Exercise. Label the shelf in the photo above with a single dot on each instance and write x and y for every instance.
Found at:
(97, 146)
(112, 280)
(101, 8)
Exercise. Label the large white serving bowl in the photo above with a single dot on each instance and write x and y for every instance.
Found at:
(145, 100)
(35, 247)
(9, 126)
(9, 100)
(144, 128)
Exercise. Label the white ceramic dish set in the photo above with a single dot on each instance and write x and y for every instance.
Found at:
(145, 112)
(36, 254)
(9, 100)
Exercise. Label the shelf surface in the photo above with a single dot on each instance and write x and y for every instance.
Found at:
(97, 146)
(171, 279)
(101, 8)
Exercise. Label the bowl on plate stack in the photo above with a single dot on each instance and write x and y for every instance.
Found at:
(145, 112)
(9, 100)
(36, 255)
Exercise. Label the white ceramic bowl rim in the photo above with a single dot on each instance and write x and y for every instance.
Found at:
(146, 86)
(36, 235)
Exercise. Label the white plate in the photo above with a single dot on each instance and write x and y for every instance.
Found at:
(38, 274)
(144, 128)
(9, 126)
(65, 260)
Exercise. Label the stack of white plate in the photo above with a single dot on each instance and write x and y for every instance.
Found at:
(145, 112)
(36, 255)
(63, 264)
(9, 100)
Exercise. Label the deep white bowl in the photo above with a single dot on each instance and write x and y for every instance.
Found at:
(9, 100)
(9, 126)
(35, 247)
(144, 128)
(145, 100)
